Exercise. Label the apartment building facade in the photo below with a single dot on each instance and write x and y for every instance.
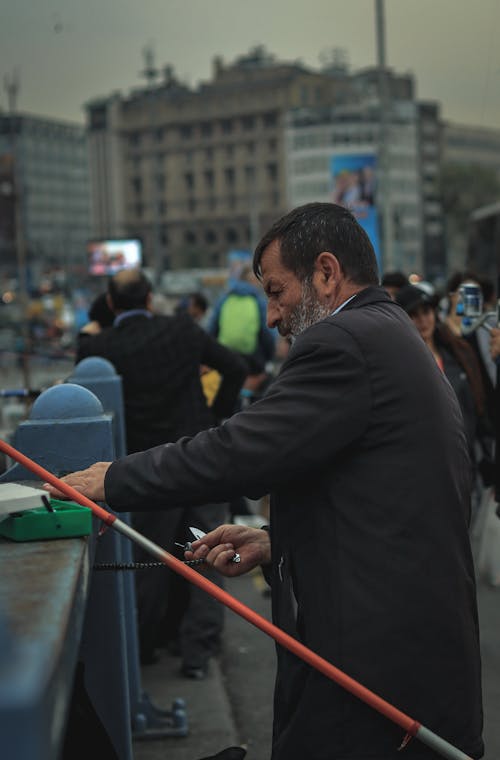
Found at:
(50, 179)
(195, 173)
(315, 136)
(472, 153)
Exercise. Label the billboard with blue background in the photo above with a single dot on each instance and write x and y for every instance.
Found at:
(354, 177)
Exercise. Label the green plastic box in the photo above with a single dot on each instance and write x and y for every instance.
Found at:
(68, 520)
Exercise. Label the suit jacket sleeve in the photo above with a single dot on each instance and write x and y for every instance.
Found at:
(318, 405)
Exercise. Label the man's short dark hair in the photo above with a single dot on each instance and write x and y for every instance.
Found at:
(129, 289)
(199, 300)
(309, 230)
(395, 279)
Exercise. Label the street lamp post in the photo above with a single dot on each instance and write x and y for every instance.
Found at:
(384, 196)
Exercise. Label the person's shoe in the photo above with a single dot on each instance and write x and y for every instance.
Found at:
(196, 672)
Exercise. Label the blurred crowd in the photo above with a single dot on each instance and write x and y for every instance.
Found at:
(187, 368)
(463, 337)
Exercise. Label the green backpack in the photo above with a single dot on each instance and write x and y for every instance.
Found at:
(239, 323)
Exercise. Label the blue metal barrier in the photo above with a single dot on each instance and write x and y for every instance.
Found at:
(67, 430)
(99, 376)
(148, 721)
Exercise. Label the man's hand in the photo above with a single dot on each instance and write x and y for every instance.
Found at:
(218, 547)
(495, 343)
(89, 482)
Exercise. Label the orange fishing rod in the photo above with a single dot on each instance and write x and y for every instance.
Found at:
(412, 727)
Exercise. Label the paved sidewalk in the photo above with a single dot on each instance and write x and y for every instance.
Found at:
(210, 718)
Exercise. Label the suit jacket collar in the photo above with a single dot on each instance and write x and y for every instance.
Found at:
(368, 295)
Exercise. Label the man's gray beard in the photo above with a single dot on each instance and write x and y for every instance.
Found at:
(307, 312)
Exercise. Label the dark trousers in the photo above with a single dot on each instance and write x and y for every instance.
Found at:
(168, 606)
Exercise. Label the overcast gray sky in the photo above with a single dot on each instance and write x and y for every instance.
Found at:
(70, 51)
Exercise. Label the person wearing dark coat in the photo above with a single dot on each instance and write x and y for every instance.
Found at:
(453, 355)
(360, 443)
(159, 358)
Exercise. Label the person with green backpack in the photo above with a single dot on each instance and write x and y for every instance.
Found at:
(239, 322)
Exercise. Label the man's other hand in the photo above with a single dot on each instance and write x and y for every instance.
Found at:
(89, 482)
(218, 548)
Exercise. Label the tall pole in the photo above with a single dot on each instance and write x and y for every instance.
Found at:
(150, 73)
(384, 194)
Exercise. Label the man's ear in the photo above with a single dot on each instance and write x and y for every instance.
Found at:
(149, 301)
(109, 301)
(328, 268)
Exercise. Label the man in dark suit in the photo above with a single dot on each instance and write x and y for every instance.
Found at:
(361, 443)
(159, 358)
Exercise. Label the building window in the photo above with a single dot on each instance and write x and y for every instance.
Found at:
(250, 146)
(161, 208)
(189, 180)
(249, 173)
(136, 185)
(229, 151)
(272, 171)
(185, 131)
(206, 129)
(134, 139)
(160, 181)
(190, 237)
(163, 235)
(226, 126)
(248, 122)
(270, 119)
(191, 205)
(231, 235)
(209, 154)
(229, 175)
(210, 237)
(209, 178)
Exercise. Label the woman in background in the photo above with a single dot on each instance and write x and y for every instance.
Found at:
(454, 357)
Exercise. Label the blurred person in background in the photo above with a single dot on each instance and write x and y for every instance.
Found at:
(452, 319)
(393, 282)
(482, 340)
(457, 361)
(495, 344)
(195, 304)
(159, 359)
(239, 321)
(100, 315)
